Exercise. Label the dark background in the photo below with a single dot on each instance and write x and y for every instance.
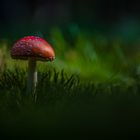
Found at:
(32, 15)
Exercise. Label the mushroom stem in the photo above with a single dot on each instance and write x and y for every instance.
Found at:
(32, 75)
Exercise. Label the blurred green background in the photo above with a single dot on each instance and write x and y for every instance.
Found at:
(98, 40)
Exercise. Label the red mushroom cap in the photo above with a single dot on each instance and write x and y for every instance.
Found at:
(32, 46)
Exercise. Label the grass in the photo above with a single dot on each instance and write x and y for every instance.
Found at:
(64, 104)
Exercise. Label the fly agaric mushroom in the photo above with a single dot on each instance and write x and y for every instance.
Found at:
(32, 48)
